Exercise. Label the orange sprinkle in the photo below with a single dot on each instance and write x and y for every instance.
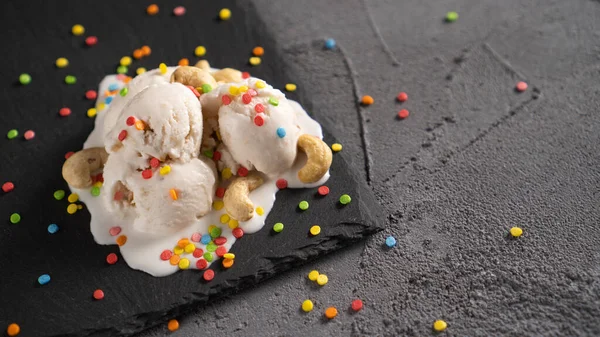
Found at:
(127, 79)
(13, 329)
(140, 125)
(173, 194)
(152, 9)
(112, 93)
(138, 54)
(258, 51)
(121, 240)
(227, 263)
(146, 50)
(183, 242)
(173, 325)
(367, 100)
(174, 260)
(106, 93)
(331, 312)
(184, 62)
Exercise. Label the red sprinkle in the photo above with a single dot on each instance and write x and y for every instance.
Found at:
(64, 112)
(114, 231)
(221, 251)
(91, 95)
(98, 294)
(68, 154)
(112, 258)
(246, 98)
(99, 177)
(252, 92)
(242, 171)
(208, 274)
(245, 75)
(122, 135)
(198, 253)
(217, 156)
(166, 255)
(8, 186)
(259, 120)
(147, 174)
(179, 11)
(220, 192)
(323, 190)
(220, 240)
(281, 183)
(237, 232)
(402, 97)
(226, 99)
(154, 162)
(118, 196)
(196, 93)
(357, 305)
(259, 108)
(196, 237)
(130, 121)
(521, 86)
(91, 40)
(403, 113)
(201, 264)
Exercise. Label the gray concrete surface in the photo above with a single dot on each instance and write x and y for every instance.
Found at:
(474, 159)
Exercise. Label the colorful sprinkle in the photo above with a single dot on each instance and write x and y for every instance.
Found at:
(173, 194)
(77, 30)
(8, 186)
(220, 251)
(357, 305)
(225, 14)
(245, 75)
(59, 194)
(227, 263)
(165, 170)
(147, 173)
(61, 62)
(174, 259)
(313, 275)
(44, 279)
(259, 120)
(226, 173)
(260, 84)
(205, 239)
(201, 264)
(122, 70)
(307, 306)
(246, 98)
(315, 230)
(303, 205)
(13, 329)
(146, 51)
(226, 99)
(281, 183)
(258, 51)
(218, 205)
(200, 51)
(123, 91)
(281, 132)
(72, 208)
(11, 134)
(98, 294)
(184, 264)
(73, 197)
(178, 250)
(152, 9)
(112, 258)
(521, 86)
(273, 101)
(64, 112)
(166, 255)
(331, 312)
(367, 100)
(516, 232)
(329, 44)
(254, 61)
(163, 68)
(24, 79)
(402, 97)
(322, 279)
(336, 147)
(323, 190)
(208, 275)
(390, 241)
(278, 227)
(90, 95)
(121, 240)
(451, 16)
(140, 70)
(114, 231)
(91, 41)
(208, 256)
(237, 232)
(439, 325)
(124, 61)
(179, 11)
(403, 113)
(197, 253)
(345, 199)
(91, 112)
(173, 325)
(196, 237)
(260, 210)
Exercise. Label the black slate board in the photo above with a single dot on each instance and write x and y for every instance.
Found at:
(134, 300)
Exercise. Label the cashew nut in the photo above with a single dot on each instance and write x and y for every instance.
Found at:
(203, 64)
(77, 170)
(193, 76)
(236, 200)
(318, 158)
(228, 75)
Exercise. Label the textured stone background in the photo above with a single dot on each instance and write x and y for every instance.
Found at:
(472, 160)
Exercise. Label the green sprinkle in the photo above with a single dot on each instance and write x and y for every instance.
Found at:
(211, 247)
(25, 79)
(70, 79)
(208, 256)
(451, 16)
(122, 70)
(206, 88)
(215, 232)
(15, 218)
(208, 153)
(59, 194)
(95, 191)
(278, 227)
(123, 91)
(12, 134)
(273, 101)
(303, 205)
(345, 199)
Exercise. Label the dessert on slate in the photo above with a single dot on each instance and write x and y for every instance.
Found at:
(187, 159)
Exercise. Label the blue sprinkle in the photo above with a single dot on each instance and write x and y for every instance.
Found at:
(390, 241)
(43, 279)
(113, 87)
(330, 43)
(108, 100)
(52, 228)
(206, 239)
(281, 132)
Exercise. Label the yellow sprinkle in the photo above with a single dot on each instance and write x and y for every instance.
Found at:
(79, 206)
(125, 61)
(234, 90)
(243, 88)
(225, 14)
(260, 210)
(140, 70)
(439, 325)
(178, 250)
(313, 275)
(336, 147)
(254, 60)
(211, 227)
(260, 84)
(516, 232)
(226, 174)
(92, 112)
(307, 306)
(98, 184)
(73, 197)
(165, 170)
(218, 205)
(184, 263)
(101, 106)
(200, 51)
(224, 219)
(322, 279)
(77, 30)
(62, 62)
(173, 194)
(233, 223)
(230, 256)
(163, 68)
(290, 87)
(72, 208)
(315, 230)
(189, 248)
